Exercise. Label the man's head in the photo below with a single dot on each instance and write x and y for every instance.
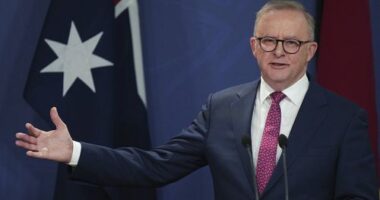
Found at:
(282, 63)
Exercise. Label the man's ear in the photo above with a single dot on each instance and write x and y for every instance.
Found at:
(312, 48)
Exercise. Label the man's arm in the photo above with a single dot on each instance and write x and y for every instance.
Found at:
(124, 166)
(356, 174)
(130, 166)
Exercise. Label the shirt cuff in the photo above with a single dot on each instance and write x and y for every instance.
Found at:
(77, 147)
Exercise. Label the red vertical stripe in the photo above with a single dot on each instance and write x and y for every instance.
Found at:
(345, 63)
(115, 1)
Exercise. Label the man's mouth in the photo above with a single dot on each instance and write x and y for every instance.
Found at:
(278, 65)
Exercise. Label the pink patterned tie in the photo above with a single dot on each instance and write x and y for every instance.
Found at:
(266, 161)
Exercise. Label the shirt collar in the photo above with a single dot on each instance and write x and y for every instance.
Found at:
(295, 93)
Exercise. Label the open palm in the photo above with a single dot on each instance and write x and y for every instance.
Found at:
(54, 145)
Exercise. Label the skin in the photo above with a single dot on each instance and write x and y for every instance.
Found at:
(279, 69)
(54, 145)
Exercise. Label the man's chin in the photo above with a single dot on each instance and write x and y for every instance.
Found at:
(278, 82)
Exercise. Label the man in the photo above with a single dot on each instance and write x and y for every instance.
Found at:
(328, 153)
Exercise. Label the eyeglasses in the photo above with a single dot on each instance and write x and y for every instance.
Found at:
(290, 46)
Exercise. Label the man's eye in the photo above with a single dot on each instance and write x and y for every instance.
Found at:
(269, 41)
(292, 42)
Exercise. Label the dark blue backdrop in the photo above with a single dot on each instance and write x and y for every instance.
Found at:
(191, 48)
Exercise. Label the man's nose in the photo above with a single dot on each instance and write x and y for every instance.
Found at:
(279, 50)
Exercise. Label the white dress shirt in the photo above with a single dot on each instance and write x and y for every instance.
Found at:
(289, 109)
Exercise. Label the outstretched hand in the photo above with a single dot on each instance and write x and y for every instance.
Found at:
(55, 145)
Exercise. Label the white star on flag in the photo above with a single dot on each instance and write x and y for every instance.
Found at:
(76, 59)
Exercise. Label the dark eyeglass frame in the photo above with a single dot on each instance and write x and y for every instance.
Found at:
(298, 42)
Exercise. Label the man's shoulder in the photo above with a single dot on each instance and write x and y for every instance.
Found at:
(239, 90)
(338, 101)
(222, 99)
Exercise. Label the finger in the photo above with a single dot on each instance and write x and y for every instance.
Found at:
(27, 146)
(26, 138)
(56, 119)
(36, 154)
(33, 130)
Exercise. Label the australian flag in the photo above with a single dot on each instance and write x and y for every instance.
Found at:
(88, 63)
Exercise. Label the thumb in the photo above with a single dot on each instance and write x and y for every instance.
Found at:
(56, 119)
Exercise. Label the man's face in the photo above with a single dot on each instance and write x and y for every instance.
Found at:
(278, 68)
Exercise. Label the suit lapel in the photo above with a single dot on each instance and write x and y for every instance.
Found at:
(241, 115)
(311, 114)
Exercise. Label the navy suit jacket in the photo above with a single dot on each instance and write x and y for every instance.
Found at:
(329, 155)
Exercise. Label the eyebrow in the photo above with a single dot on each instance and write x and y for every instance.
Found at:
(285, 38)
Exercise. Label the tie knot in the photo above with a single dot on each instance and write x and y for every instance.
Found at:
(277, 97)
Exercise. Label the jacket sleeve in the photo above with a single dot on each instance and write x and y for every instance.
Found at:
(136, 167)
(356, 176)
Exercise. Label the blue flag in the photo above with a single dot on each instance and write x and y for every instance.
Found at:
(87, 64)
